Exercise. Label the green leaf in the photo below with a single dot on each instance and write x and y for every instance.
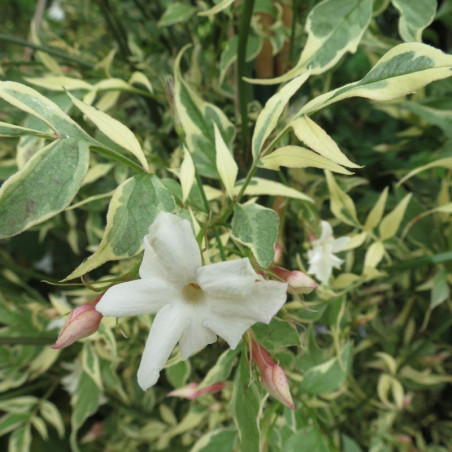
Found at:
(402, 70)
(178, 374)
(414, 17)
(245, 405)
(341, 204)
(435, 116)
(197, 118)
(30, 101)
(221, 370)
(52, 415)
(90, 363)
(256, 227)
(220, 6)
(9, 130)
(440, 290)
(334, 28)
(84, 403)
(12, 421)
(229, 54)
(299, 157)
(221, 440)
(391, 222)
(327, 377)
(113, 129)
(278, 333)
(268, 117)
(441, 163)
(176, 13)
(317, 139)
(133, 207)
(20, 440)
(44, 186)
(307, 439)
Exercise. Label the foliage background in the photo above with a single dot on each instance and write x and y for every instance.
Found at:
(368, 359)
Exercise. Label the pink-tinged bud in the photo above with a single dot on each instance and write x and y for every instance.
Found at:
(272, 375)
(277, 258)
(192, 392)
(298, 281)
(83, 321)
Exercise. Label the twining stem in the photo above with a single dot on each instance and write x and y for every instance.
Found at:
(244, 29)
(48, 50)
(206, 205)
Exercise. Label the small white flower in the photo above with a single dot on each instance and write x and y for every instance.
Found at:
(194, 303)
(56, 12)
(321, 257)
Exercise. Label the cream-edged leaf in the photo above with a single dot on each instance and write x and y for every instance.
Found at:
(220, 6)
(133, 207)
(268, 117)
(317, 139)
(441, 163)
(374, 254)
(415, 16)
(113, 129)
(334, 28)
(402, 70)
(341, 204)
(186, 174)
(59, 83)
(391, 222)
(259, 186)
(299, 157)
(141, 79)
(226, 165)
(376, 213)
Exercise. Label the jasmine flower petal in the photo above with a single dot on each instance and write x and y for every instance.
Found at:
(142, 296)
(228, 278)
(195, 337)
(166, 330)
(175, 246)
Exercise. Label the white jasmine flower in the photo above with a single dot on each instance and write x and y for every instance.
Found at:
(321, 257)
(194, 303)
(56, 12)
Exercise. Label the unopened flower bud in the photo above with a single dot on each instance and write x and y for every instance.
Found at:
(298, 281)
(272, 375)
(83, 321)
(192, 392)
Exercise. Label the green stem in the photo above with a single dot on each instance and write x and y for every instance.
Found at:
(48, 50)
(244, 30)
(206, 205)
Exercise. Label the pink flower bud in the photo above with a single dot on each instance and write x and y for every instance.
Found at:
(277, 259)
(298, 281)
(192, 392)
(273, 377)
(83, 321)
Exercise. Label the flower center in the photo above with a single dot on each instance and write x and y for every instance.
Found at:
(193, 293)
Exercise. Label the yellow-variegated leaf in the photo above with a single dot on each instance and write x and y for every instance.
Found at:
(141, 79)
(402, 70)
(341, 204)
(44, 186)
(113, 129)
(44, 57)
(10, 130)
(268, 117)
(441, 163)
(197, 118)
(334, 28)
(374, 254)
(259, 186)
(414, 17)
(376, 213)
(299, 157)
(133, 207)
(220, 6)
(58, 83)
(226, 166)
(317, 139)
(391, 222)
(187, 174)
